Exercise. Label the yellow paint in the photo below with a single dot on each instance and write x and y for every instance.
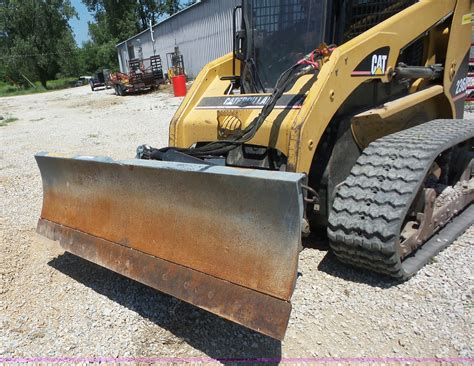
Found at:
(468, 19)
(379, 71)
(291, 131)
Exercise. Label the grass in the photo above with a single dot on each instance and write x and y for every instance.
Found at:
(8, 90)
(8, 120)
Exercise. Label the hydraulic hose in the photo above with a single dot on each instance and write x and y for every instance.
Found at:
(305, 66)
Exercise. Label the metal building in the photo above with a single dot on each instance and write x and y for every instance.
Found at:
(203, 32)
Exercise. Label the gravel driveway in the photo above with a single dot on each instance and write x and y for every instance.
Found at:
(53, 304)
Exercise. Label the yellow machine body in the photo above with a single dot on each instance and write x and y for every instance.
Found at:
(297, 132)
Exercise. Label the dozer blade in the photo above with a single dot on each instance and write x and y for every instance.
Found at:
(224, 239)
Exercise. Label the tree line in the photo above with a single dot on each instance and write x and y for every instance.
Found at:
(37, 42)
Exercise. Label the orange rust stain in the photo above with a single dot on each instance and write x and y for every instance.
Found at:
(210, 242)
(252, 309)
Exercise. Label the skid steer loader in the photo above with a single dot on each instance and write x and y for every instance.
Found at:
(344, 115)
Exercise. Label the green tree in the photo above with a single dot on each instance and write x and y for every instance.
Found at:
(116, 21)
(124, 15)
(68, 56)
(170, 6)
(148, 11)
(36, 39)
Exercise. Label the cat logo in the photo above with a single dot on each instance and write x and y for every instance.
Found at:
(374, 64)
(379, 64)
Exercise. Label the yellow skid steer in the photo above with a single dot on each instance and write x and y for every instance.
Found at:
(343, 115)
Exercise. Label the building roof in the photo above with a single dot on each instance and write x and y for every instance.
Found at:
(198, 2)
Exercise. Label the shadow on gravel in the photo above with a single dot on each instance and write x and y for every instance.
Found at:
(333, 267)
(216, 337)
(316, 240)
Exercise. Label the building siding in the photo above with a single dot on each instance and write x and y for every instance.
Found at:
(202, 32)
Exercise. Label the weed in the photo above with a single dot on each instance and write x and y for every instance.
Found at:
(8, 120)
(7, 90)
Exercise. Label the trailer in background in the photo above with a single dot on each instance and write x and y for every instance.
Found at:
(144, 74)
(99, 79)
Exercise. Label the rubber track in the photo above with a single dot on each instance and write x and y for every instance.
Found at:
(372, 203)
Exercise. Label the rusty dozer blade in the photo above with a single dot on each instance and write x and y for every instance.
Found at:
(224, 239)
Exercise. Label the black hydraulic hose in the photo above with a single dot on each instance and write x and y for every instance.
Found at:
(218, 148)
(287, 78)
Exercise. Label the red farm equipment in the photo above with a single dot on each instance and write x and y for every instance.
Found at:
(144, 74)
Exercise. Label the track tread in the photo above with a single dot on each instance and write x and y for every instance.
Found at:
(371, 204)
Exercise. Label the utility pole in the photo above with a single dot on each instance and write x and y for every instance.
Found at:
(152, 37)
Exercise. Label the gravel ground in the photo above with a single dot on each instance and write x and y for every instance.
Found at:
(53, 304)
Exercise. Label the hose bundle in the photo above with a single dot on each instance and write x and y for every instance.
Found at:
(310, 63)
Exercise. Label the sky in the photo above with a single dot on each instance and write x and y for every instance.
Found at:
(79, 26)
